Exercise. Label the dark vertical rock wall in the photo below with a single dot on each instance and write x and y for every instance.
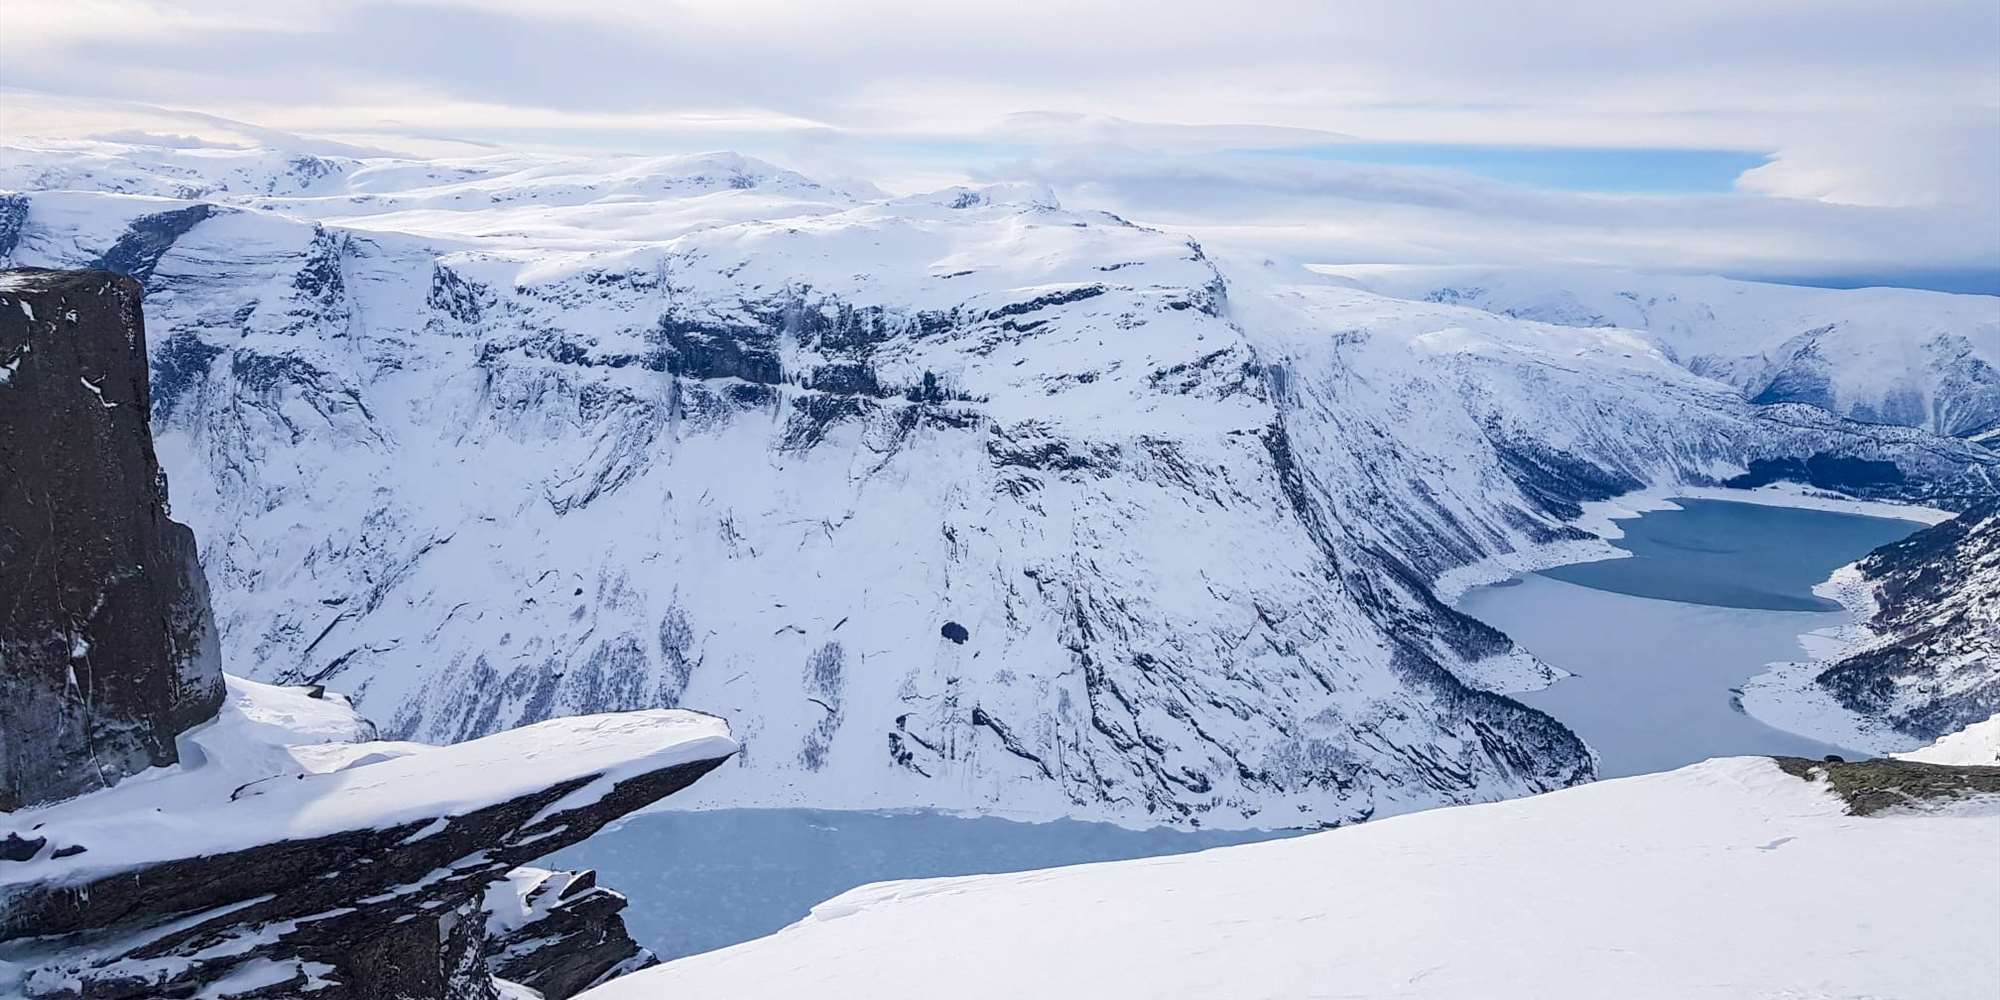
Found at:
(108, 649)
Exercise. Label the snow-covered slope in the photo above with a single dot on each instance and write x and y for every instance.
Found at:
(1886, 355)
(1727, 879)
(1977, 744)
(965, 500)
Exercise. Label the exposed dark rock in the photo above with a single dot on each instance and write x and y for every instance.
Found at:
(149, 238)
(1871, 786)
(13, 219)
(1934, 667)
(955, 632)
(574, 940)
(94, 688)
(179, 364)
(1824, 470)
(15, 847)
(348, 900)
(703, 350)
(1555, 481)
(107, 652)
(1064, 297)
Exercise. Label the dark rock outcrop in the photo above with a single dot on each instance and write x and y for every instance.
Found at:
(1859, 476)
(390, 911)
(298, 883)
(94, 687)
(571, 939)
(1934, 666)
(1872, 786)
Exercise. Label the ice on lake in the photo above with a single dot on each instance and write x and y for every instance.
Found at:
(704, 880)
(1662, 641)
(1713, 592)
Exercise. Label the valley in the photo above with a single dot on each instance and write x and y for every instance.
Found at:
(1661, 643)
(1001, 534)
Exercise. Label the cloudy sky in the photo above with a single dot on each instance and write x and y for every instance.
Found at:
(1827, 141)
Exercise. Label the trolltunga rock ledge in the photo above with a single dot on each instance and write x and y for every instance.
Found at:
(326, 869)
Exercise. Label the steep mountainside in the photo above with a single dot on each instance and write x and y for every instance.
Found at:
(886, 482)
(1933, 665)
(1882, 355)
(272, 847)
(93, 687)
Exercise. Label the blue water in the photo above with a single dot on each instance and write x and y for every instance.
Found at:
(704, 880)
(1657, 640)
(1735, 555)
(1662, 642)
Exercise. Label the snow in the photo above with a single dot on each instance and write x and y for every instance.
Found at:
(507, 905)
(1891, 355)
(1726, 879)
(99, 393)
(239, 783)
(1958, 646)
(1787, 696)
(1978, 743)
(424, 418)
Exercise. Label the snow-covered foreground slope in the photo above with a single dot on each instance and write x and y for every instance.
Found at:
(1887, 355)
(965, 500)
(1727, 879)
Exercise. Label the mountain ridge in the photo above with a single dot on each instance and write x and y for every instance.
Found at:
(759, 465)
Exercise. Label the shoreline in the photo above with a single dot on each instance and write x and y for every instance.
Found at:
(1782, 694)
(1601, 517)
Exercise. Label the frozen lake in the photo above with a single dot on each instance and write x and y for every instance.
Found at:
(1712, 593)
(1661, 640)
(704, 880)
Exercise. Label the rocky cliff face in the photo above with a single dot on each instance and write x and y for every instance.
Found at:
(559, 932)
(887, 480)
(109, 646)
(337, 872)
(277, 849)
(1933, 667)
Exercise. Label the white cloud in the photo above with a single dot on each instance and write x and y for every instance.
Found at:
(1344, 213)
(1858, 103)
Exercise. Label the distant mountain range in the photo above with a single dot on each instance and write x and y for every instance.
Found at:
(966, 499)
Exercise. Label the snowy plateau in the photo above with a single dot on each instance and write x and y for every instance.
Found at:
(966, 500)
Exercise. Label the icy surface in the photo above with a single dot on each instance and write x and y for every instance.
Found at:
(705, 879)
(1725, 879)
(1887, 355)
(1734, 555)
(1654, 685)
(1658, 679)
(240, 784)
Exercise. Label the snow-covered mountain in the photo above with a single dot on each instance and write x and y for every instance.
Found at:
(1922, 658)
(1883, 355)
(1737, 877)
(170, 831)
(1932, 665)
(960, 500)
